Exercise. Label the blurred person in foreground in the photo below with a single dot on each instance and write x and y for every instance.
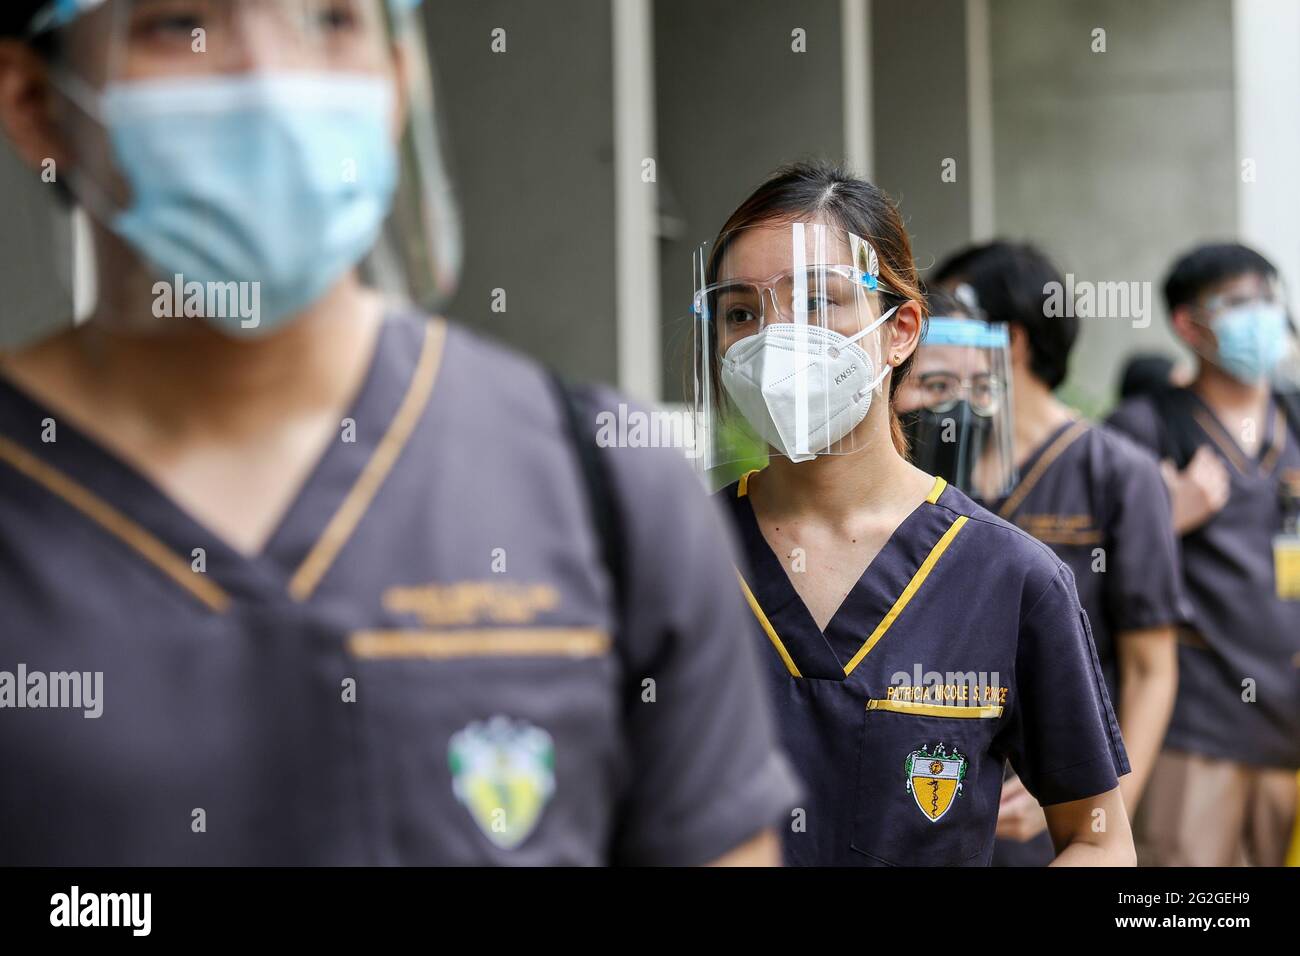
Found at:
(361, 588)
(1223, 790)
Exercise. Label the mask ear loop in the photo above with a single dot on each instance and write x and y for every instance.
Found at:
(834, 352)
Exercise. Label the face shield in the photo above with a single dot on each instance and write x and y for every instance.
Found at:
(254, 152)
(956, 405)
(788, 324)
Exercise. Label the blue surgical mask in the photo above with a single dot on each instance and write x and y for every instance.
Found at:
(1252, 340)
(278, 179)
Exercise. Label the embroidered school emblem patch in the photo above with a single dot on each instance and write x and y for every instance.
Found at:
(935, 780)
(503, 771)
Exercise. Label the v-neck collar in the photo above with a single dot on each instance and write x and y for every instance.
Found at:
(1038, 464)
(1271, 444)
(866, 612)
(129, 505)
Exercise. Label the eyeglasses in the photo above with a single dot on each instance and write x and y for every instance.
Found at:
(1215, 305)
(817, 290)
(942, 391)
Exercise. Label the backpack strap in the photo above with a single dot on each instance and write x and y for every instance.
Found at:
(1289, 402)
(1179, 434)
(575, 404)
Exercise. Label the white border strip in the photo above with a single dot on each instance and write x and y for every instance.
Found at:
(979, 112)
(1266, 85)
(636, 202)
(855, 30)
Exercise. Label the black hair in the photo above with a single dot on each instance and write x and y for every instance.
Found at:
(15, 18)
(1011, 281)
(1206, 266)
(1145, 374)
(941, 303)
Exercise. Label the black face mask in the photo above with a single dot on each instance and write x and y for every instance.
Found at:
(953, 460)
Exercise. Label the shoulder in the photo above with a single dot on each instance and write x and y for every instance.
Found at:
(1289, 402)
(1004, 551)
(1138, 418)
(1115, 459)
(1147, 419)
(497, 381)
(510, 399)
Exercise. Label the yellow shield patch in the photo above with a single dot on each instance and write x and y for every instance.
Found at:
(934, 778)
(503, 771)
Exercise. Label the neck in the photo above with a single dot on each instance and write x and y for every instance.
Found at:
(1037, 412)
(876, 478)
(195, 375)
(1222, 392)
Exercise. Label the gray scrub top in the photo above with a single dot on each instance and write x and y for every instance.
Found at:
(421, 667)
(1239, 659)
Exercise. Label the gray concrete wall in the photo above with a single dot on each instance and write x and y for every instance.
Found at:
(918, 68)
(530, 137)
(733, 102)
(1114, 161)
(35, 254)
(530, 133)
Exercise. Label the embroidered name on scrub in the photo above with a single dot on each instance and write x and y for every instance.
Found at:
(974, 693)
(1064, 529)
(467, 603)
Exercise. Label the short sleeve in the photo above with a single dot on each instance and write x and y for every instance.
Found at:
(1063, 739)
(1143, 572)
(706, 772)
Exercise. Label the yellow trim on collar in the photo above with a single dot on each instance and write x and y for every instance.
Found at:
(363, 492)
(768, 629)
(909, 592)
(115, 523)
(1053, 452)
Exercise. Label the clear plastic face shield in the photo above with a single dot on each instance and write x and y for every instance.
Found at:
(254, 152)
(788, 325)
(955, 405)
(1246, 329)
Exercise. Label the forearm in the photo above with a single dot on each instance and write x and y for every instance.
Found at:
(1145, 708)
(762, 850)
(1148, 679)
(1083, 853)
(1092, 832)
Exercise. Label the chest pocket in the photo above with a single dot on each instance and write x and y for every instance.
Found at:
(488, 747)
(927, 785)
